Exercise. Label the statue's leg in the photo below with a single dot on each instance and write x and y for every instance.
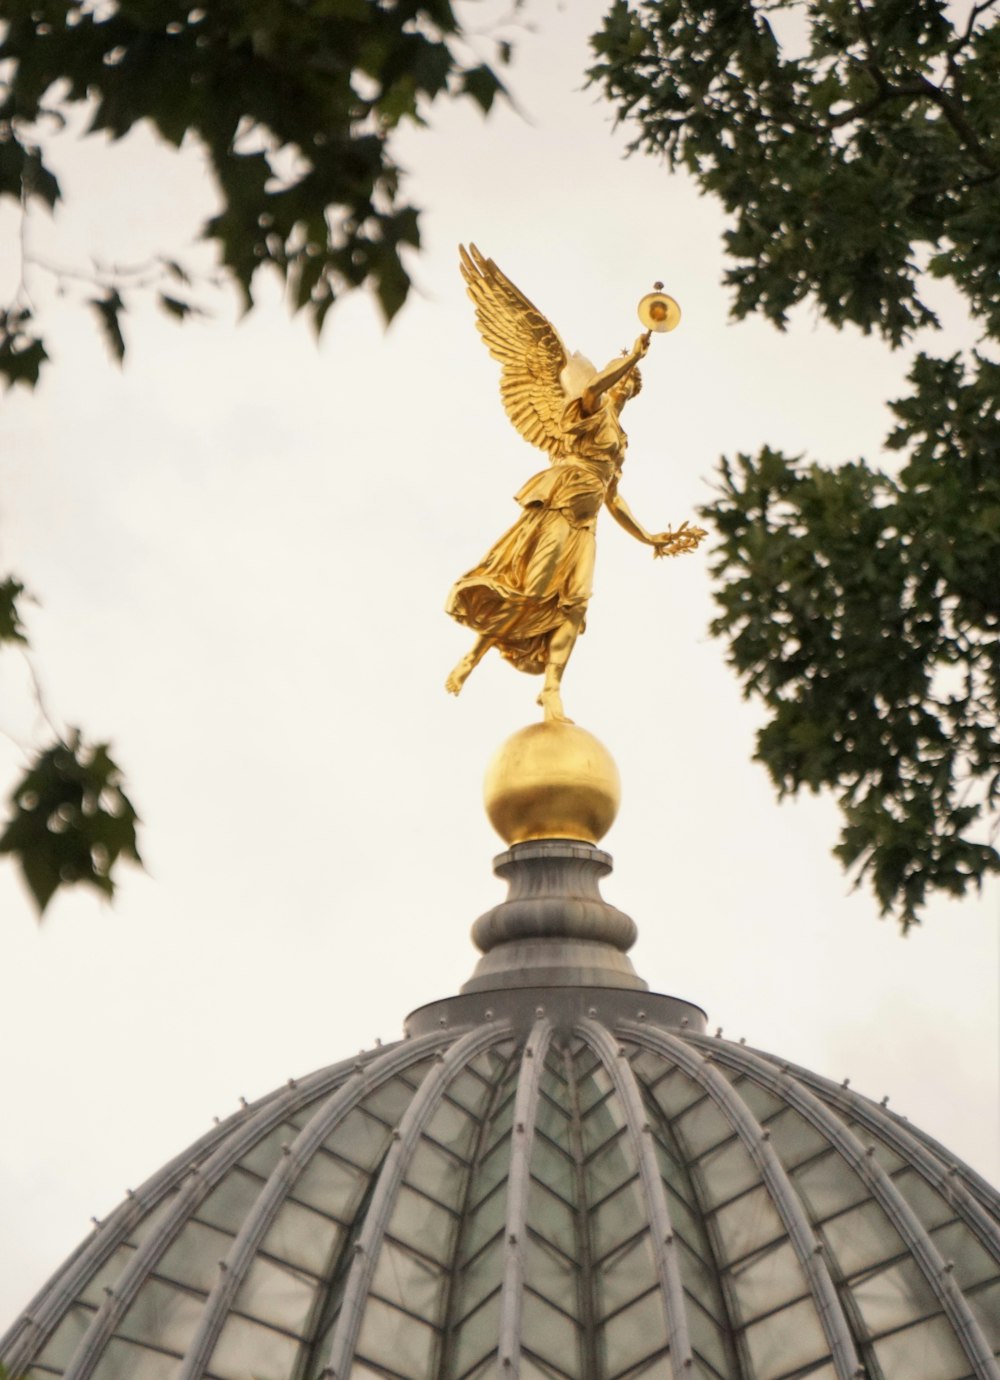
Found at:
(461, 672)
(561, 645)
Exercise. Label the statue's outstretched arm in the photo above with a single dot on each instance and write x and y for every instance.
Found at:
(672, 542)
(614, 372)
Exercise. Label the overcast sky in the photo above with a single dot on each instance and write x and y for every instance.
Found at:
(241, 545)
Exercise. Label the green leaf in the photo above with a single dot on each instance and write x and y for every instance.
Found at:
(109, 308)
(71, 821)
(483, 85)
(11, 627)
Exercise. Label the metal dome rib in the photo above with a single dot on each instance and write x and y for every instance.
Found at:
(885, 1192)
(756, 1141)
(280, 1184)
(661, 1228)
(973, 1196)
(525, 1110)
(391, 1176)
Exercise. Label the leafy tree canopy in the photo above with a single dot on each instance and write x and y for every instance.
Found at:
(855, 145)
(293, 103)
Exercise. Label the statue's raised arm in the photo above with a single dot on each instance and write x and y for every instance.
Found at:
(528, 596)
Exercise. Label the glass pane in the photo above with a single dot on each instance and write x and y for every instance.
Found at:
(391, 1338)
(828, 1186)
(390, 1100)
(476, 1336)
(502, 1121)
(550, 1334)
(600, 1124)
(485, 1221)
(437, 1173)
(631, 1336)
(592, 1086)
(551, 1218)
(686, 1223)
(553, 1121)
(470, 1091)
(618, 1217)
(229, 1202)
(262, 1158)
(928, 1350)
(453, 1128)
(702, 1127)
(887, 1158)
(794, 1139)
(671, 1169)
(303, 1238)
(973, 1263)
(123, 1361)
(415, 1284)
(493, 1167)
(707, 1338)
(698, 1278)
(767, 1281)
(150, 1224)
(554, 1169)
(67, 1336)
(276, 1294)
(660, 1369)
(552, 1275)
(162, 1315)
(479, 1278)
(246, 1348)
(360, 1138)
(785, 1340)
(929, 1205)
(110, 1271)
(193, 1258)
(725, 1172)
(675, 1092)
(985, 1305)
(610, 1167)
(630, 1272)
(422, 1224)
(647, 1066)
(761, 1102)
(533, 1369)
(862, 1237)
(894, 1297)
(747, 1224)
(331, 1186)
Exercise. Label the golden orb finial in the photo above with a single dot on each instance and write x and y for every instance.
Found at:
(552, 780)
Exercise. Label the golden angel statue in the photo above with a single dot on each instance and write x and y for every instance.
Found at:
(528, 596)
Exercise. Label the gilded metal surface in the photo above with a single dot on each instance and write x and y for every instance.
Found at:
(528, 596)
(658, 311)
(552, 780)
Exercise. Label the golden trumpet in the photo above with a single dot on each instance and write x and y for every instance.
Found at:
(658, 311)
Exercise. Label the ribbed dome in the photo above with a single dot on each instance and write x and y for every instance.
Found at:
(567, 1180)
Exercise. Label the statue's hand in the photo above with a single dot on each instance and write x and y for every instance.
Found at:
(674, 542)
(642, 344)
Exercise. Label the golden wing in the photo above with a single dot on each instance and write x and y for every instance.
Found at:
(526, 344)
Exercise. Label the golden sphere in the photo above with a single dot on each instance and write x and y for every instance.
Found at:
(552, 781)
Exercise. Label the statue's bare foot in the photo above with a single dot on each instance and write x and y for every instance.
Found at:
(551, 702)
(460, 674)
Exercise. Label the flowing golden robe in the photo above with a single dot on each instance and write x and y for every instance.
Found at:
(541, 571)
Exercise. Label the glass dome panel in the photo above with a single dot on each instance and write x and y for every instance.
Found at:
(632, 1335)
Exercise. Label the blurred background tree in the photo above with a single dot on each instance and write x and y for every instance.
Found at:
(292, 107)
(855, 147)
